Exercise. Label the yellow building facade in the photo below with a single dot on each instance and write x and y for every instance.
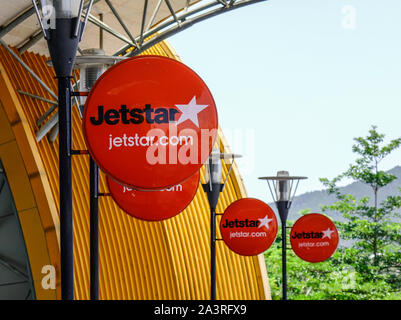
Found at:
(138, 260)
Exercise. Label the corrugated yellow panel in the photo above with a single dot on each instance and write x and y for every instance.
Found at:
(138, 259)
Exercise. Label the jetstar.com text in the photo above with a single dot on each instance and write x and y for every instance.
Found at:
(146, 141)
(242, 234)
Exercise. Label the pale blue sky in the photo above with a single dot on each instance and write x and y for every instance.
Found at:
(288, 73)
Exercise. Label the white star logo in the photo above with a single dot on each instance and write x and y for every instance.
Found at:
(190, 111)
(327, 233)
(264, 222)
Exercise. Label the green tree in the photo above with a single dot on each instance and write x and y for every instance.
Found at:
(371, 267)
(376, 237)
(328, 280)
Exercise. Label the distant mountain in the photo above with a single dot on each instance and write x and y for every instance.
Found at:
(315, 199)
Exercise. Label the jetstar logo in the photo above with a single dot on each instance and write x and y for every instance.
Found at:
(150, 122)
(247, 223)
(125, 115)
(313, 235)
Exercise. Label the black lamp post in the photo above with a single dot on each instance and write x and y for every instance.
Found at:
(283, 196)
(63, 44)
(63, 29)
(91, 64)
(213, 187)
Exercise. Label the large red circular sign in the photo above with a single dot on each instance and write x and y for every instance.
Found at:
(314, 237)
(154, 205)
(248, 226)
(150, 122)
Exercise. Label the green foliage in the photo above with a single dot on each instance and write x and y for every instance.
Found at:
(371, 267)
(303, 212)
(334, 279)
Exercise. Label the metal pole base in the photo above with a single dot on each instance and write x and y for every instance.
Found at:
(94, 230)
(283, 208)
(66, 220)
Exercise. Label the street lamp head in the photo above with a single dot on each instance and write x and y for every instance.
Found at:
(283, 186)
(284, 193)
(58, 9)
(60, 23)
(214, 183)
(213, 167)
(65, 9)
(91, 64)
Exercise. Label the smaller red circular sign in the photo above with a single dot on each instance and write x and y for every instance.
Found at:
(314, 237)
(248, 226)
(154, 205)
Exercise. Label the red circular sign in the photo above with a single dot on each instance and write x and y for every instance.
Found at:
(150, 122)
(154, 205)
(248, 226)
(314, 237)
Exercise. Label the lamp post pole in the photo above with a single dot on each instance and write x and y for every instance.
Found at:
(283, 196)
(66, 218)
(213, 189)
(94, 229)
(92, 63)
(63, 34)
(63, 46)
(283, 209)
(213, 193)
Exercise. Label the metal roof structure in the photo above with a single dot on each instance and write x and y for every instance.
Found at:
(129, 27)
(119, 27)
